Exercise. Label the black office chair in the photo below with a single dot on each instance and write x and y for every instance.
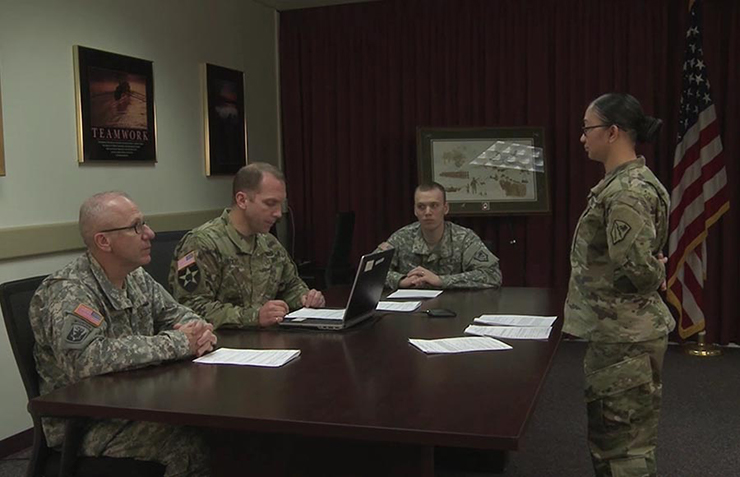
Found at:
(163, 251)
(339, 269)
(15, 298)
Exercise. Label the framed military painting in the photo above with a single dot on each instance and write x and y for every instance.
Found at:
(486, 171)
(115, 107)
(2, 142)
(225, 120)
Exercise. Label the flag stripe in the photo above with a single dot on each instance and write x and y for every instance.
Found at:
(688, 152)
(692, 185)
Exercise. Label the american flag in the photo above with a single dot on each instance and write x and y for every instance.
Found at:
(698, 197)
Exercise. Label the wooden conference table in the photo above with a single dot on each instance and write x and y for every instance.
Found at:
(365, 389)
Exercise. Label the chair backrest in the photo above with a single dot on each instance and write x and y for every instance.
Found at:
(15, 297)
(163, 251)
(339, 269)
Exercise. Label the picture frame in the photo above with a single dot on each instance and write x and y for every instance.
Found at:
(2, 140)
(115, 107)
(225, 120)
(487, 171)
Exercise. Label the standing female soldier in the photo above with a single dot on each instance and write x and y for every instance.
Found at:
(613, 300)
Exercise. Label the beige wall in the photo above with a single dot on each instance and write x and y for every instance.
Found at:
(45, 185)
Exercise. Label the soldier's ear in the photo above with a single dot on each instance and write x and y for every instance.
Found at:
(240, 199)
(447, 207)
(102, 242)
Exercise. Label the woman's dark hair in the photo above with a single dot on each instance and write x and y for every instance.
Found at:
(625, 112)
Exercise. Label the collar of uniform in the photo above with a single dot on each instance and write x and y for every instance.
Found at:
(613, 174)
(118, 299)
(420, 246)
(244, 244)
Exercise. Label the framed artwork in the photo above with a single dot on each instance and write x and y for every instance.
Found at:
(486, 171)
(225, 120)
(2, 141)
(115, 107)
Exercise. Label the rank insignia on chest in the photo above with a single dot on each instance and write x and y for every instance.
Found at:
(619, 231)
(88, 314)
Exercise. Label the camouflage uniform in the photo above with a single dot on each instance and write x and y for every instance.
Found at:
(84, 326)
(460, 259)
(613, 302)
(226, 277)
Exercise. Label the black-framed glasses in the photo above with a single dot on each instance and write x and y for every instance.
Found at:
(585, 129)
(138, 227)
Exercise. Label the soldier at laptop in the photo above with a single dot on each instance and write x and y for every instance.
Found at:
(231, 270)
(103, 313)
(434, 253)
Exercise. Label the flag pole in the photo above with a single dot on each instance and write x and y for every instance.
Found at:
(701, 349)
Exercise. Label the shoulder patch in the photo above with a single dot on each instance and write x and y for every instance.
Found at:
(88, 314)
(189, 276)
(481, 256)
(619, 231)
(187, 260)
(77, 333)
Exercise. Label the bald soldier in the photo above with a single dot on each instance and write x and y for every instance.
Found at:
(434, 253)
(103, 313)
(231, 270)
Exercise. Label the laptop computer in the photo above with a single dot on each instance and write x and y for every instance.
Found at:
(363, 298)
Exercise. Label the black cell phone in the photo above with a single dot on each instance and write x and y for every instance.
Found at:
(441, 313)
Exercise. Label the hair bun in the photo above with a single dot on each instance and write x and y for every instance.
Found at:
(648, 129)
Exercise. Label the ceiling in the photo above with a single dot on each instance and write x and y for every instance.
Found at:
(296, 4)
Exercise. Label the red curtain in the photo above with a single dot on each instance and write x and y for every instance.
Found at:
(357, 80)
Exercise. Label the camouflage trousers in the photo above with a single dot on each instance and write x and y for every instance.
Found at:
(623, 393)
(181, 449)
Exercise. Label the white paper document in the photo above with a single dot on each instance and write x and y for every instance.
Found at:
(270, 358)
(398, 305)
(512, 332)
(409, 293)
(459, 345)
(317, 314)
(516, 320)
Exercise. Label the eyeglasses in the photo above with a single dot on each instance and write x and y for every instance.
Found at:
(585, 129)
(138, 227)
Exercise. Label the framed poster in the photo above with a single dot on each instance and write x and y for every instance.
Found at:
(225, 120)
(2, 142)
(486, 171)
(115, 107)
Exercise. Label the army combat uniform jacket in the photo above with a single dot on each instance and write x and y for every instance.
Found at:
(84, 326)
(460, 259)
(615, 273)
(226, 277)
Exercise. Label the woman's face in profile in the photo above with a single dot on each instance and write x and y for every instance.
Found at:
(595, 135)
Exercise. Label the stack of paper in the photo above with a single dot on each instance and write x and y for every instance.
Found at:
(317, 314)
(271, 358)
(516, 320)
(413, 293)
(458, 345)
(512, 332)
(518, 327)
(398, 306)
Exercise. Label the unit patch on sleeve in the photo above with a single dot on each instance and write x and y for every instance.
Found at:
(188, 273)
(481, 256)
(619, 231)
(77, 333)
